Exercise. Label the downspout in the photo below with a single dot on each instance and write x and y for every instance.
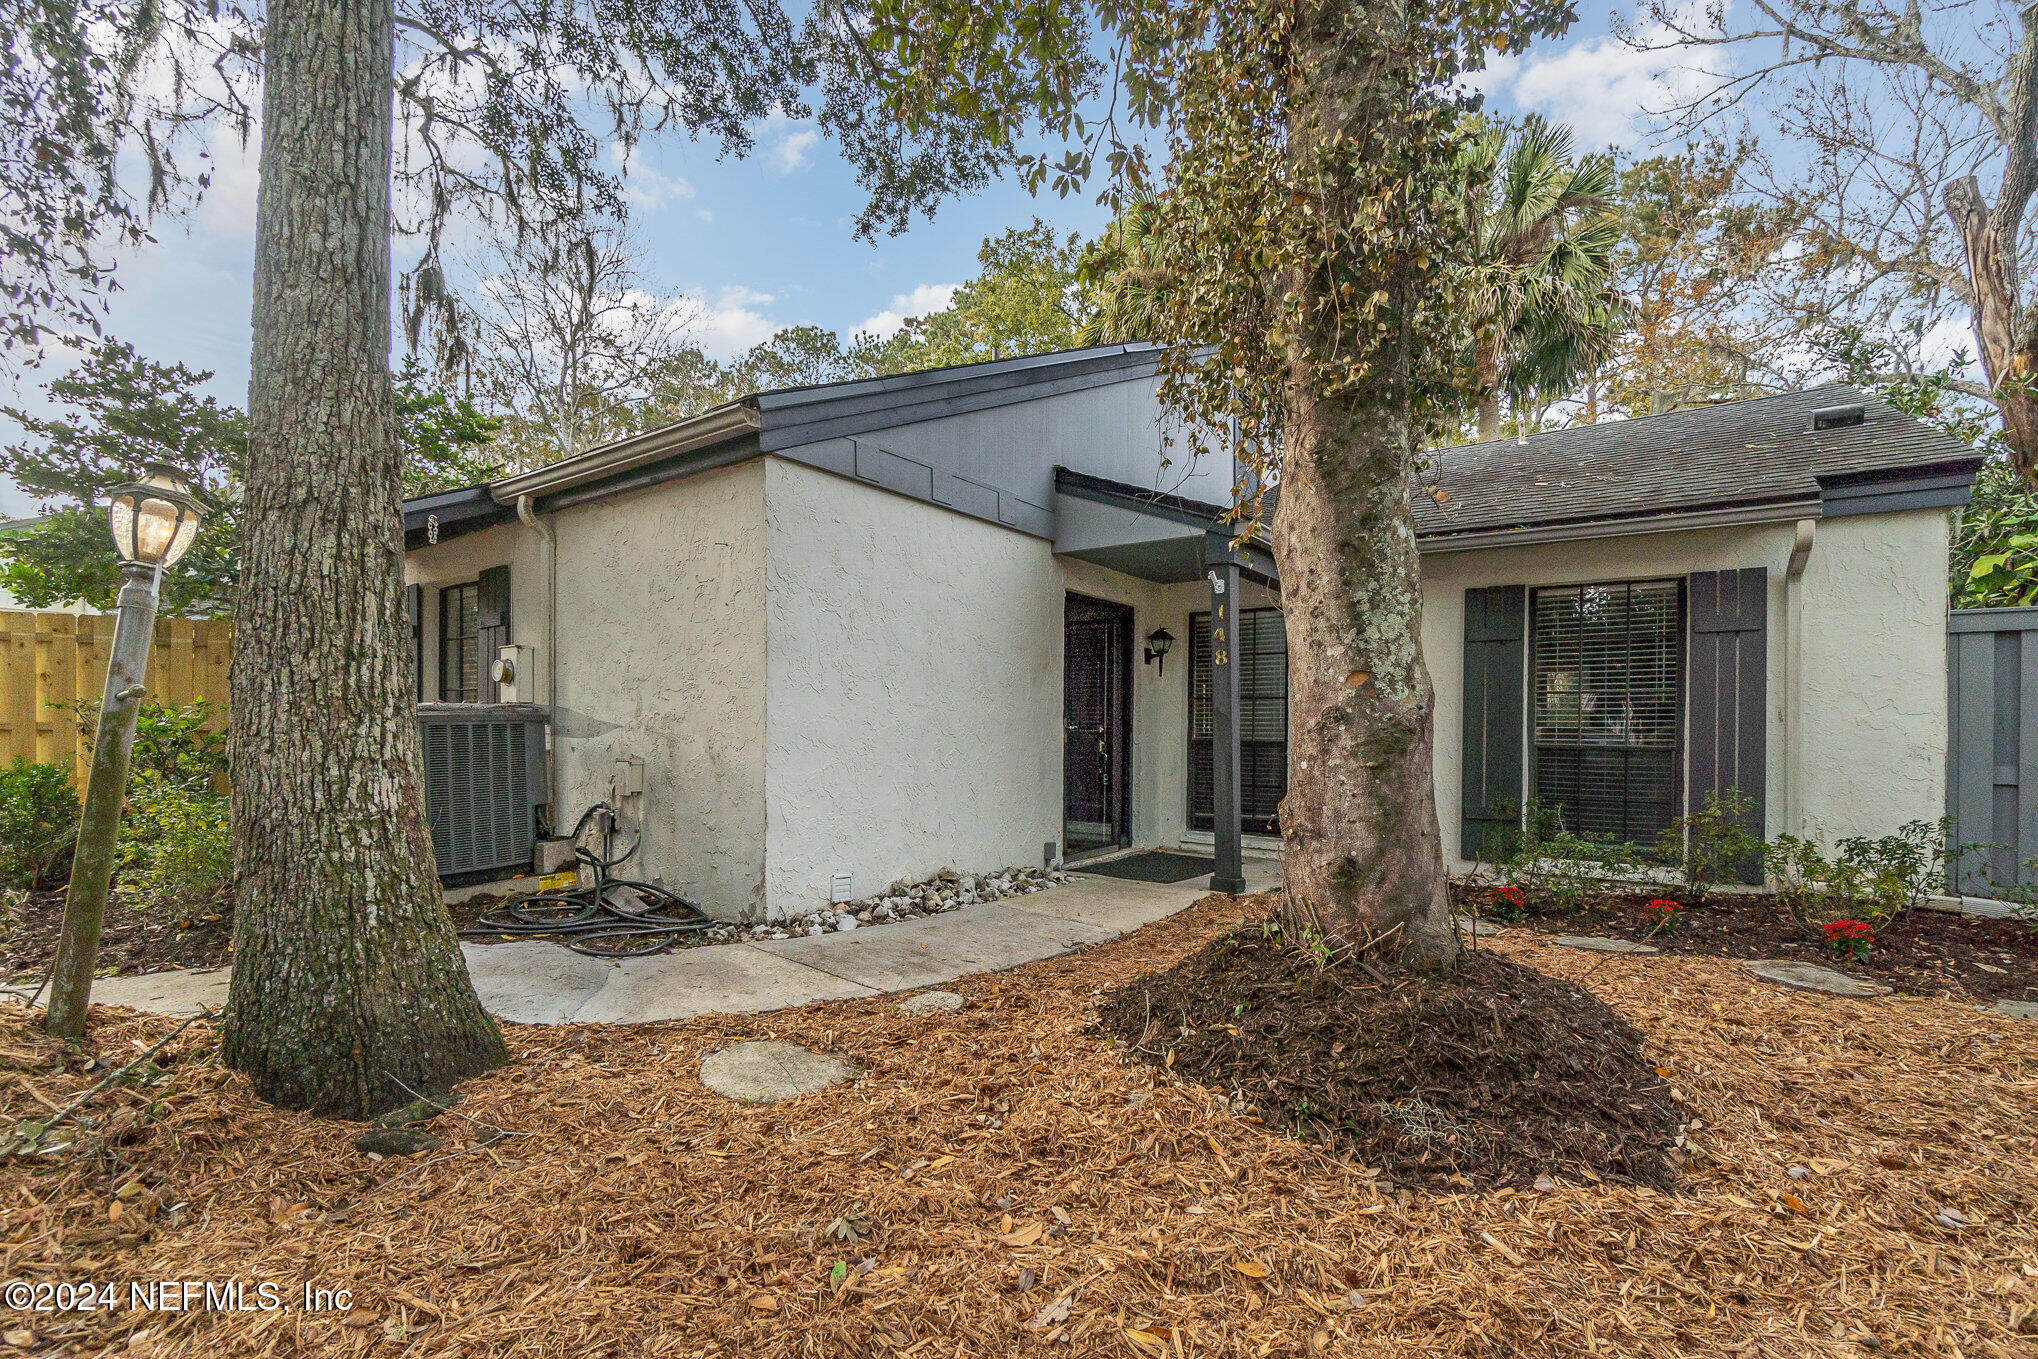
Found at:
(527, 515)
(1793, 676)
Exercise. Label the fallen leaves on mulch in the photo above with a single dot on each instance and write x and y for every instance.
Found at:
(1496, 1075)
(133, 939)
(1861, 1173)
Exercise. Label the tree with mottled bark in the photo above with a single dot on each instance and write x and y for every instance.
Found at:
(1314, 228)
(349, 991)
(1904, 136)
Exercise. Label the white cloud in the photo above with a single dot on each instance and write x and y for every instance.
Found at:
(705, 214)
(790, 148)
(643, 186)
(1601, 87)
(922, 301)
(732, 322)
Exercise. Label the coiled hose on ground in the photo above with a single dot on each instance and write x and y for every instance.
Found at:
(609, 917)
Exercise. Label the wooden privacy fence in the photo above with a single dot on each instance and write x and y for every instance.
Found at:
(52, 658)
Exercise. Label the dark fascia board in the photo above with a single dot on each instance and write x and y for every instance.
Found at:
(727, 453)
(1254, 557)
(463, 511)
(1922, 486)
(814, 414)
(1181, 509)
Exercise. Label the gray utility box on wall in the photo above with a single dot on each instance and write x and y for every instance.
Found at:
(484, 784)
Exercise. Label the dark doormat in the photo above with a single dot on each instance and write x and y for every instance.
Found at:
(1152, 866)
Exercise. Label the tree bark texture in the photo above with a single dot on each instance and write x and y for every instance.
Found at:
(348, 985)
(1363, 854)
(2006, 356)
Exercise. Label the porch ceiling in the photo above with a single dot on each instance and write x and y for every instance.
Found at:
(1146, 534)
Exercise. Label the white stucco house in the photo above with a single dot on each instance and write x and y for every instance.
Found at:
(874, 629)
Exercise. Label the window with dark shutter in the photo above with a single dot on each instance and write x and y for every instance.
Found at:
(1262, 720)
(1608, 665)
(460, 672)
(414, 609)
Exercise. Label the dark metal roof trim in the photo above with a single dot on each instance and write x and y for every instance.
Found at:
(1928, 486)
(465, 510)
(1084, 486)
(859, 408)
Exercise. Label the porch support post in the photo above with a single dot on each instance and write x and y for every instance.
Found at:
(1229, 873)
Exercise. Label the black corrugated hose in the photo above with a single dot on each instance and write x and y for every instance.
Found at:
(609, 917)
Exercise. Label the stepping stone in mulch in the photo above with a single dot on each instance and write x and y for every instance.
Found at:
(2015, 1009)
(767, 1071)
(1599, 945)
(1479, 929)
(1812, 977)
(931, 1003)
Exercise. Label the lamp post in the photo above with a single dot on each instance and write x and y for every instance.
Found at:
(153, 522)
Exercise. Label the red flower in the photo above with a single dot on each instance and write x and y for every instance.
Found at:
(1851, 937)
(1508, 896)
(1661, 907)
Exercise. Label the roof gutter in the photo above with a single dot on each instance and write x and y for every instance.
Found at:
(1535, 534)
(624, 455)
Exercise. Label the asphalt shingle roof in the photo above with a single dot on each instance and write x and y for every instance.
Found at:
(1761, 451)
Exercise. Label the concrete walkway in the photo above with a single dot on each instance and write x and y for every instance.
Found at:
(539, 983)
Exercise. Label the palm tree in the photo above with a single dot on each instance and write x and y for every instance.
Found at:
(1544, 309)
(1126, 276)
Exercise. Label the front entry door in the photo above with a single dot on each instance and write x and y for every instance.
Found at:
(1096, 694)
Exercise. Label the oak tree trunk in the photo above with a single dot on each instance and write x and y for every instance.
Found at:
(2006, 356)
(348, 985)
(1363, 856)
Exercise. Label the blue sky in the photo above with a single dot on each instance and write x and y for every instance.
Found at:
(767, 242)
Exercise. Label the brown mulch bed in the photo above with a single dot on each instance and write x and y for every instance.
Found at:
(132, 940)
(1029, 1190)
(136, 941)
(1498, 1075)
(1920, 953)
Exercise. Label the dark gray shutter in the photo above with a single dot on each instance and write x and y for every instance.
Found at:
(1729, 688)
(1496, 650)
(492, 623)
(414, 605)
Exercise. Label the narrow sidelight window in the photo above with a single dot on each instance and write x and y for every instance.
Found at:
(1262, 721)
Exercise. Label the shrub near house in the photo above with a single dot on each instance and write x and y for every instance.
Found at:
(1857, 900)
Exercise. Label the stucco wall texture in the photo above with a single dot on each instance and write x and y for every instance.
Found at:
(913, 699)
(1872, 732)
(823, 677)
(661, 615)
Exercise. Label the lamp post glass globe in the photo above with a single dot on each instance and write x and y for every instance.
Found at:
(154, 520)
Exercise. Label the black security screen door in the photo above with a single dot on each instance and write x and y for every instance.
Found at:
(1262, 720)
(1608, 666)
(1096, 691)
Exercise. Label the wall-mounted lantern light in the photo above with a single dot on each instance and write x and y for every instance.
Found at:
(1157, 643)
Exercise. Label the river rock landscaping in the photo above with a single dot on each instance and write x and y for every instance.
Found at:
(946, 891)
